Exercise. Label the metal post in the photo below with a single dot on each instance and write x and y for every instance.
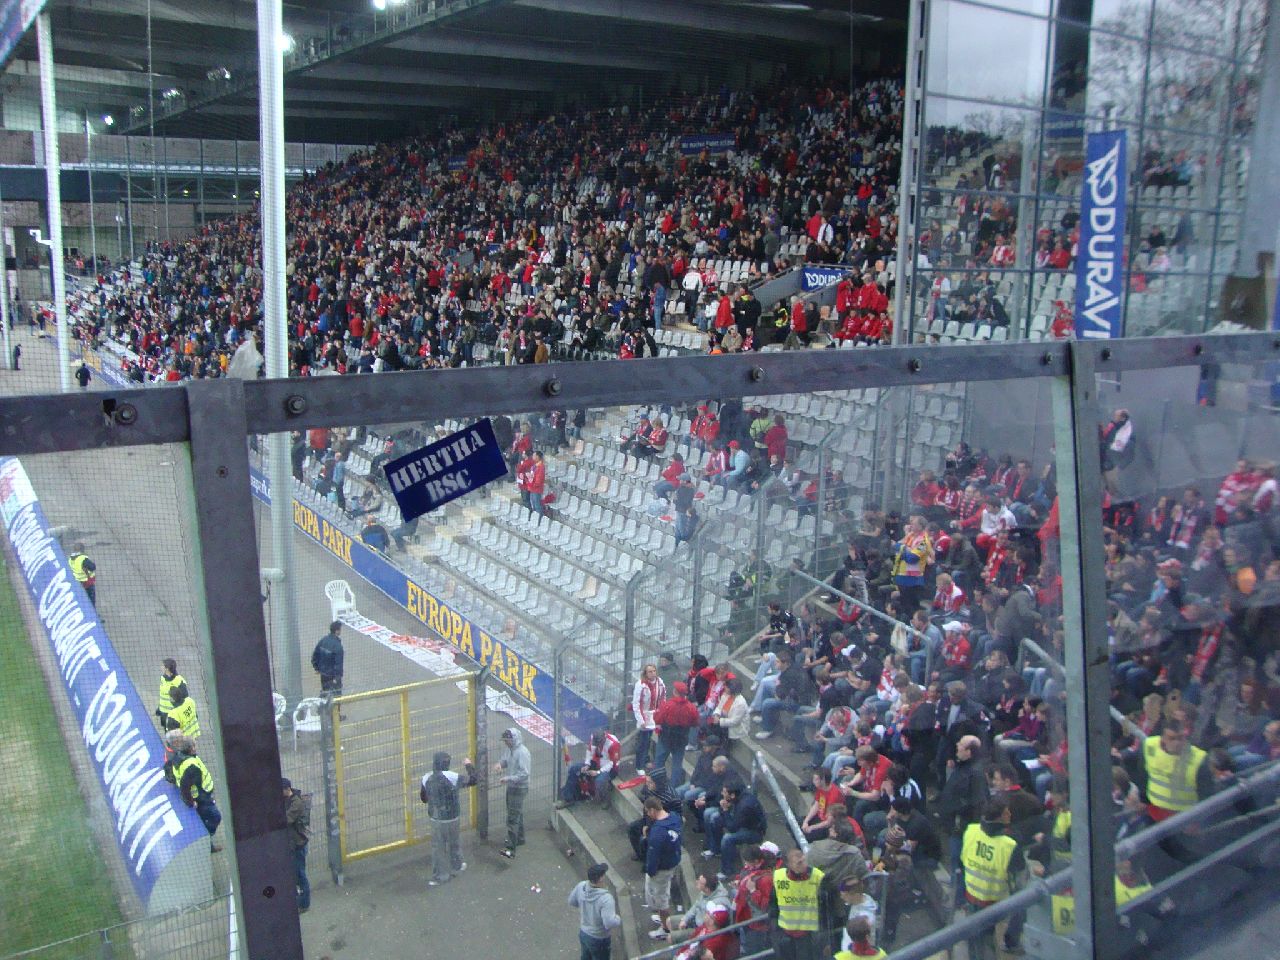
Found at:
(93, 221)
(128, 193)
(49, 112)
(329, 767)
(406, 769)
(695, 615)
(557, 723)
(261, 855)
(1087, 670)
(5, 318)
(908, 180)
(476, 709)
(629, 630)
(275, 328)
(820, 509)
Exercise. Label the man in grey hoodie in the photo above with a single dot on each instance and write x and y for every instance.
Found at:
(514, 769)
(597, 913)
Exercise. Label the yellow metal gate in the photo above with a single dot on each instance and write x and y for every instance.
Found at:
(384, 741)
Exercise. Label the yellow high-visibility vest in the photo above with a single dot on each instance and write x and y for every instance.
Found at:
(206, 778)
(1171, 778)
(1060, 839)
(1064, 905)
(850, 955)
(986, 863)
(797, 899)
(186, 718)
(77, 562)
(165, 704)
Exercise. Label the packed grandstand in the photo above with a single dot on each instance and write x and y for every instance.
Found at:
(594, 234)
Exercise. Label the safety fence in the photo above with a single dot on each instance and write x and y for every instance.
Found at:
(384, 742)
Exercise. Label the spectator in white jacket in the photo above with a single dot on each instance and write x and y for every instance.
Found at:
(732, 714)
(647, 696)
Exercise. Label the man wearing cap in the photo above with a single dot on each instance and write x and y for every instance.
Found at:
(669, 671)
(297, 817)
(597, 914)
(736, 476)
(676, 718)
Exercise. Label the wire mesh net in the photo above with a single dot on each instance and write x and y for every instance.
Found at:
(114, 787)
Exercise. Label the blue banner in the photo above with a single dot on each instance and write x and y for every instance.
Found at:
(152, 825)
(520, 675)
(445, 470)
(1100, 253)
(710, 142)
(815, 278)
(16, 16)
(457, 163)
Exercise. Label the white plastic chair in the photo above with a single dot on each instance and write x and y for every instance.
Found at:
(306, 717)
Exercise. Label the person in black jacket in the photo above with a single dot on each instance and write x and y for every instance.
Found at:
(327, 659)
(703, 788)
(961, 801)
(739, 820)
(439, 792)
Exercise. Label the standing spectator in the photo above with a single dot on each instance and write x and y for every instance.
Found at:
(83, 376)
(297, 817)
(1117, 443)
(646, 698)
(676, 717)
(597, 914)
(514, 767)
(537, 483)
(752, 895)
(327, 659)
(439, 791)
(662, 856)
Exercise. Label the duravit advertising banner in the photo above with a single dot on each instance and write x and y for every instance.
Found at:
(1100, 252)
(815, 278)
(163, 844)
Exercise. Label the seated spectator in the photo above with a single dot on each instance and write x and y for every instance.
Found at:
(737, 820)
(827, 806)
(710, 894)
(793, 691)
(656, 785)
(709, 775)
(591, 777)
(732, 713)
(670, 477)
(373, 534)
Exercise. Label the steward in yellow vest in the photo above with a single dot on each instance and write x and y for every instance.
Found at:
(1064, 904)
(990, 860)
(195, 785)
(85, 571)
(184, 716)
(1173, 772)
(795, 900)
(171, 681)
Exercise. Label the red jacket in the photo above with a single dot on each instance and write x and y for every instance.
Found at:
(538, 478)
(676, 711)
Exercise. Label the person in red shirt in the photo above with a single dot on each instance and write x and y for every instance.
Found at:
(654, 443)
(866, 783)
(753, 891)
(948, 598)
(537, 482)
(956, 651)
(774, 440)
(675, 718)
(721, 946)
(705, 429)
(828, 804)
(670, 477)
(524, 472)
(724, 313)
(925, 493)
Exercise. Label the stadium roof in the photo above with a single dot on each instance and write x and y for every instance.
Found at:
(410, 60)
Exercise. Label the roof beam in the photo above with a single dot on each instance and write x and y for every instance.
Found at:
(675, 14)
(314, 113)
(454, 44)
(413, 16)
(414, 77)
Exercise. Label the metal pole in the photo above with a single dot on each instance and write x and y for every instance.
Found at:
(328, 758)
(480, 731)
(1093, 860)
(628, 632)
(695, 615)
(557, 723)
(913, 118)
(5, 318)
(275, 321)
(49, 111)
(93, 229)
(128, 193)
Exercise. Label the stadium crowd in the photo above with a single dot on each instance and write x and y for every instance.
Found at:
(581, 230)
(937, 751)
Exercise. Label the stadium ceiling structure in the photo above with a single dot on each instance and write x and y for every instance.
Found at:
(396, 62)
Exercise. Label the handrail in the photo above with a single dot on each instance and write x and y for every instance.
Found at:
(976, 923)
(760, 764)
(1127, 725)
(867, 608)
